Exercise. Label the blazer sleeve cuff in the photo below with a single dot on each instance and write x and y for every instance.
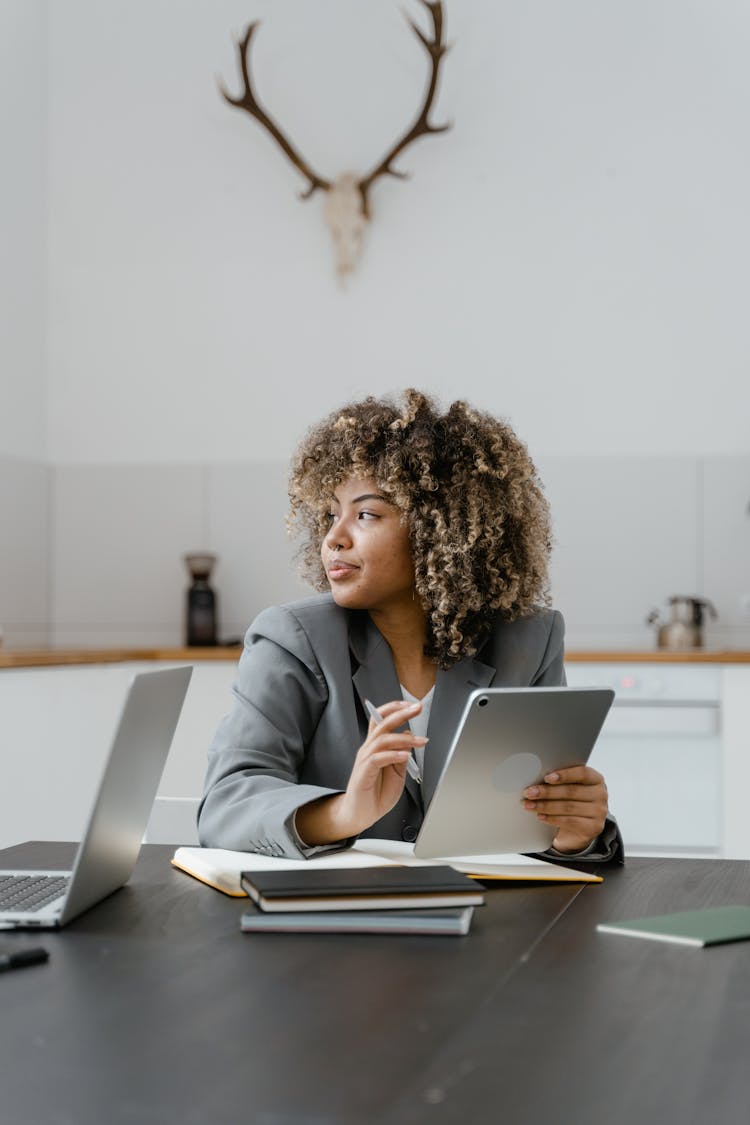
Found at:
(606, 848)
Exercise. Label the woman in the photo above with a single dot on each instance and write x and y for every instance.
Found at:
(430, 533)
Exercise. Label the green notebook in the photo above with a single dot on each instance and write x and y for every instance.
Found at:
(689, 927)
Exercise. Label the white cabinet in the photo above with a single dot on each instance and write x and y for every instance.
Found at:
(735, 739)
(673, 751)
(55, 729)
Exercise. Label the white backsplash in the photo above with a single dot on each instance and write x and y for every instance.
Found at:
(92, 555)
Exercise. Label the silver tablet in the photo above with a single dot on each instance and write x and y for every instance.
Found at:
(507, 738)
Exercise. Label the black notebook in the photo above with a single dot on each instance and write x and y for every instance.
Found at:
(367, 888)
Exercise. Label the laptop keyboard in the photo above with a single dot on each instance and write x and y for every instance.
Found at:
(29, 893)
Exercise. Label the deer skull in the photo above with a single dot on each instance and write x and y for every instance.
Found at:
(347, 208)
(344, 213)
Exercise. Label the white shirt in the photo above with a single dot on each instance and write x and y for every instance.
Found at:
(418, 725)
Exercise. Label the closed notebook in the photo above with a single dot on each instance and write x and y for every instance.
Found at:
(370, 888)
(445, 920)
(712, 926)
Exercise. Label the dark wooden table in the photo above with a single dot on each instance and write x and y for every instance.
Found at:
(154, 1008)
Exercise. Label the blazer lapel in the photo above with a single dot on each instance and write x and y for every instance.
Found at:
(375, 676)
(452, 689)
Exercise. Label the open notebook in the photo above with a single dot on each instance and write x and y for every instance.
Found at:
(221, 869)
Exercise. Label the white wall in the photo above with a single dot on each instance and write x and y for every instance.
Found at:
(23, 103)
(24, 607)
(573, 254)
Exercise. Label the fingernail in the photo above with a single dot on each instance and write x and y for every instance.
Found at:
(552, 777)
(532, 791)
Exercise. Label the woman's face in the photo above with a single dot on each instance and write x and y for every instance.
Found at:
(366, 552)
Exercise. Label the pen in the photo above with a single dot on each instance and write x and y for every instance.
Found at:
(34, 956)
(411, 766)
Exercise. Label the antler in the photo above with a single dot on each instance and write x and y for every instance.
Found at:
(249, 102)
(421, 127)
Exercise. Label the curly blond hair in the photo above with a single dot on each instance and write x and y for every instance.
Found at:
(468, 490)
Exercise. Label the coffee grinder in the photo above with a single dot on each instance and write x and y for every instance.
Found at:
(200, 618)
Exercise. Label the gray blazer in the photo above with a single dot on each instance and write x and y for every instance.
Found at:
(298, 718)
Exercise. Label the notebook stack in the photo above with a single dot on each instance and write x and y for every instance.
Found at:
(433, 899)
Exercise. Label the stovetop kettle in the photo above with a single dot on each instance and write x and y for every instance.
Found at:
(684, 628)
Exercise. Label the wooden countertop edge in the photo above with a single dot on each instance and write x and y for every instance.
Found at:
(41, 658)
(50, 658)
(658, 656)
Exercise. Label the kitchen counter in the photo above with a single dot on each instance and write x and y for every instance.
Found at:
(51, 657)
(57, 707)
(659, 656)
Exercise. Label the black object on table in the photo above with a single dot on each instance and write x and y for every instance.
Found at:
(22, 958)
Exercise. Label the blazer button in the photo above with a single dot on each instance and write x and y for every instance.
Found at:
(409, 833)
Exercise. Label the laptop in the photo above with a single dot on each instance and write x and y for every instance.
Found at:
(507, 738)
(112, 840)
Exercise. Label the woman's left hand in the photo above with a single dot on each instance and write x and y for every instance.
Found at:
(575, 801)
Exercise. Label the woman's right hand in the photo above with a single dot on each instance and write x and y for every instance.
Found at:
(379, 772)
(375, 783)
